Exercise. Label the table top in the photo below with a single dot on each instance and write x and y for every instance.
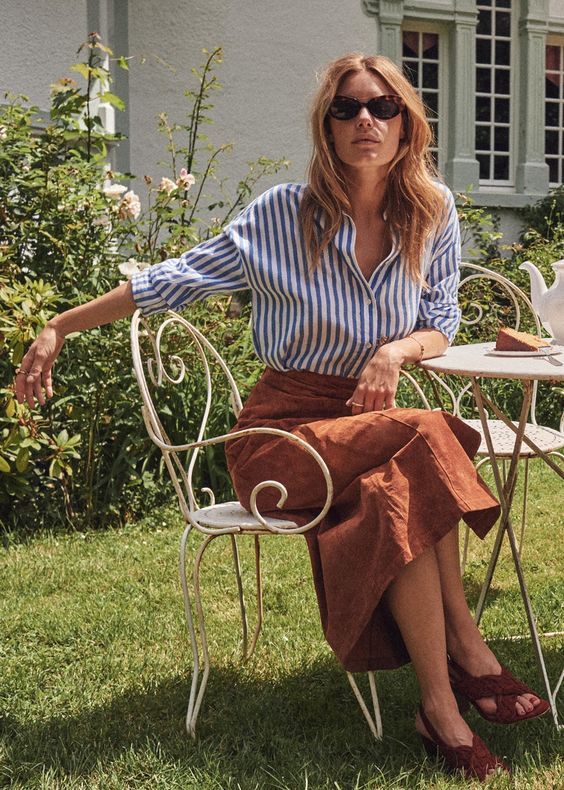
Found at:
(476, 359)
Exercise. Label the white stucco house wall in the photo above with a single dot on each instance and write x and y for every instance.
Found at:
(491, 73)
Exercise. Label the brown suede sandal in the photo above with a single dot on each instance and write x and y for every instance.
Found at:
(475, 762)
(505, 688)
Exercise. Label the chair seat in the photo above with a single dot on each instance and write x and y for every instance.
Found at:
(231, 514)
(503, 439)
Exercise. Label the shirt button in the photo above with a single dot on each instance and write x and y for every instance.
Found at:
(368, 301)
(368, 344)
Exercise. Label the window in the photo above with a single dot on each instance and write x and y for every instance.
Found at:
(554, 112)
(493, 87)
(421, 66)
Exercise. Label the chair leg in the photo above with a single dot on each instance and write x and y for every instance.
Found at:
(246, 651)
(198, 684)
(479, 465)
(374, 721)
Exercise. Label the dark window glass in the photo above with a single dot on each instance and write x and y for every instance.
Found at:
(483, 50)
(502, 53)
(501, 168)
(484, 23)
(486, 3)
(431, 101)
(500, 3)
(502, 110)
(552, 58)
(484, 161)
(430, 75)
(430, 46)
(502, 81)
(551, 142)
(483, 80)
(552, 84)
(411, 71)
(501, 138)
(502, 24)
(553, 170)
(410, 44)
(483, 138)
(483, 110)
(433, 125)
(551, 114)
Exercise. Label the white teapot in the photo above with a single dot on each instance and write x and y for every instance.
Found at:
(548, 302)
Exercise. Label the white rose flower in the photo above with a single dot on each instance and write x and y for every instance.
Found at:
(185, 180)
(3, 133)
(130, 206)
(166, 185)
(114, 191)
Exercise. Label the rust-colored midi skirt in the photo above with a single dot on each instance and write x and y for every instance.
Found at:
(402, 478)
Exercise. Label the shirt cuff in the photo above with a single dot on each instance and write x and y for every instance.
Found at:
(145, 296)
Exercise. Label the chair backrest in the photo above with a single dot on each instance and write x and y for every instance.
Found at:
(165, 358)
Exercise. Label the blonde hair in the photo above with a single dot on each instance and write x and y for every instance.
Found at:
(414, 204)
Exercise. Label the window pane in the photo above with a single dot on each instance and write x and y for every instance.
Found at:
(552, 58)
(430, 46)
(551, 114)
(410, 44)
(483, 138)
(501, 138)
(430, 75)
(502, 23)
(483, 50)
(551, 142)
(483, 80)
(484, 161)
(431, 101)
(502, 110)
(484, 23)
(412, 73)
(552, 84)
(553, 171)
(501, 168)
(502, 81)
(483, 109)
(502, 53)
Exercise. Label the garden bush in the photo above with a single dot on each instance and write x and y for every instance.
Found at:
(69, 231)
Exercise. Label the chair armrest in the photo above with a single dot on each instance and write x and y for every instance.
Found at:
(175, 448)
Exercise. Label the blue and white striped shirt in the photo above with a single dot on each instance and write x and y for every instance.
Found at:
(330, 320)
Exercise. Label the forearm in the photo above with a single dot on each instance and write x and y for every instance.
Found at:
(115, 304)
(420, 344)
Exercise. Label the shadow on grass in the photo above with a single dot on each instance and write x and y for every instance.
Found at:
(251, 727)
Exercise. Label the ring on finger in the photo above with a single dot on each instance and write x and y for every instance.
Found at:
(19, 371)
(354, 403)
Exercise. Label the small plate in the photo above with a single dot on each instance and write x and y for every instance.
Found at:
(546, 351)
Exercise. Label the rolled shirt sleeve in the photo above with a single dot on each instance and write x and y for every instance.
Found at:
(438, 307)
(212, 267)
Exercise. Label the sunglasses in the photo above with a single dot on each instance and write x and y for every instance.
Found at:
(343, 108)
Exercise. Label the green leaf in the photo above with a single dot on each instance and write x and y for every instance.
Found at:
(62, 438)
(22, 460)
(81, 68)
(4, 465)
(112, 99)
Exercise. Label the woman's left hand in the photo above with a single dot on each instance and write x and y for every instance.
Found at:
(378, 382)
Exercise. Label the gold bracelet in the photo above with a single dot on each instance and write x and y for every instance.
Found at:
(420, 344)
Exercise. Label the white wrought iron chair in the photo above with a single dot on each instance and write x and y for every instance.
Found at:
(160, 360)
(509, 305)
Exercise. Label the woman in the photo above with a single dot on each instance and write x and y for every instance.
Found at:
(353, 276)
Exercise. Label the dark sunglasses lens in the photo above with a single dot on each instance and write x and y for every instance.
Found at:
(343, 109)
(384, 107)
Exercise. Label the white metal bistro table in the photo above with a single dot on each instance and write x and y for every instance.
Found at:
(476, 362)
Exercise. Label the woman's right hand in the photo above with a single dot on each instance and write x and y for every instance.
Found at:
(34, 372)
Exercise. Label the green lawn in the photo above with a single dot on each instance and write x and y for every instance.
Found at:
(94, 669)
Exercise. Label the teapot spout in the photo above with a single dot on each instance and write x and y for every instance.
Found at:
(538, 290)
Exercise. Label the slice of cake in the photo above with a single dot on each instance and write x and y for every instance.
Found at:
(511, 340)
